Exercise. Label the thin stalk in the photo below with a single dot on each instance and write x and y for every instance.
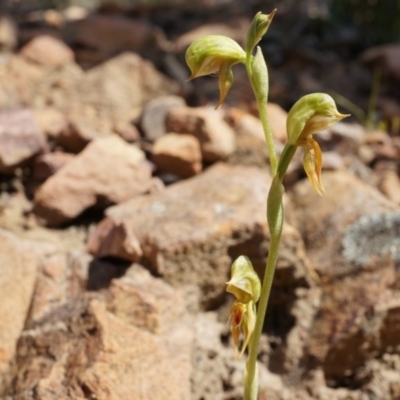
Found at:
(262, 109)
(250, 392)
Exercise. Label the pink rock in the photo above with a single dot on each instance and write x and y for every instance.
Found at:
(216, 137)
(47, 51)
(145, 302)
(97, 354)
(48, 164)
(20, 139)
(189, 232)
(177, 154)
(81, 130)
(351, 238)
(108, 169)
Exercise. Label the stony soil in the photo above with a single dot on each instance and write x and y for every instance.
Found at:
(125, 197)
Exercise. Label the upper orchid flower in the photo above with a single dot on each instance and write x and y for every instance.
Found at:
(215, 54)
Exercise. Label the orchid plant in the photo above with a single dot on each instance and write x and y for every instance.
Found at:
(217, 54)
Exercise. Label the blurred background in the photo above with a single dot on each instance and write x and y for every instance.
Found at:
(312, 45)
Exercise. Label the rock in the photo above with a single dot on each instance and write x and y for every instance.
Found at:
(152, 120)
(190, 232)
(18, 267)
(208, 357)
(8, 33)
(51, 121)
(347, 200)
(277, 121)
(387, 57)
(20, 138)
(110, 34)
(81, 130)
(110, 92)
(25, 83)
(97, 355)
(61, 276)
(332, 161)
(127, 131)
(97, 176)
(48, 164)
(121, 85)
(250, 140)
(381, 145)
(216, 138)
(351, 238)
(343, 138)
(177, 154)
(47, 51)
(143, 301)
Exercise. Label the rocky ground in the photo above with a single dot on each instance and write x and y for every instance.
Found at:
(125, 197)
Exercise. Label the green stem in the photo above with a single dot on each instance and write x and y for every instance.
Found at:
(251, 382)
(285, 159)
(275, 223)
(262, 109)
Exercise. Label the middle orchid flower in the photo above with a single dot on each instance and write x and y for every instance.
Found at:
(312, 113)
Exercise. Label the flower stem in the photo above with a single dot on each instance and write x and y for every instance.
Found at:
(259, 84)
(262, 109)
(251, 381)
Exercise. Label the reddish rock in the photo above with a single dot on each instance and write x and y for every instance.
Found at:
(177, 154)
(18, 267)
(48, 164)
(47, 51)
(216, 137)
(20, 139)
(61, 276)
(190, 232)
(347, 200)
(145, 302)
(107, 171)
(110, 92)
(152, 120)
(95, 354)
(351, 238)
(81, 130)
(119, 86)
